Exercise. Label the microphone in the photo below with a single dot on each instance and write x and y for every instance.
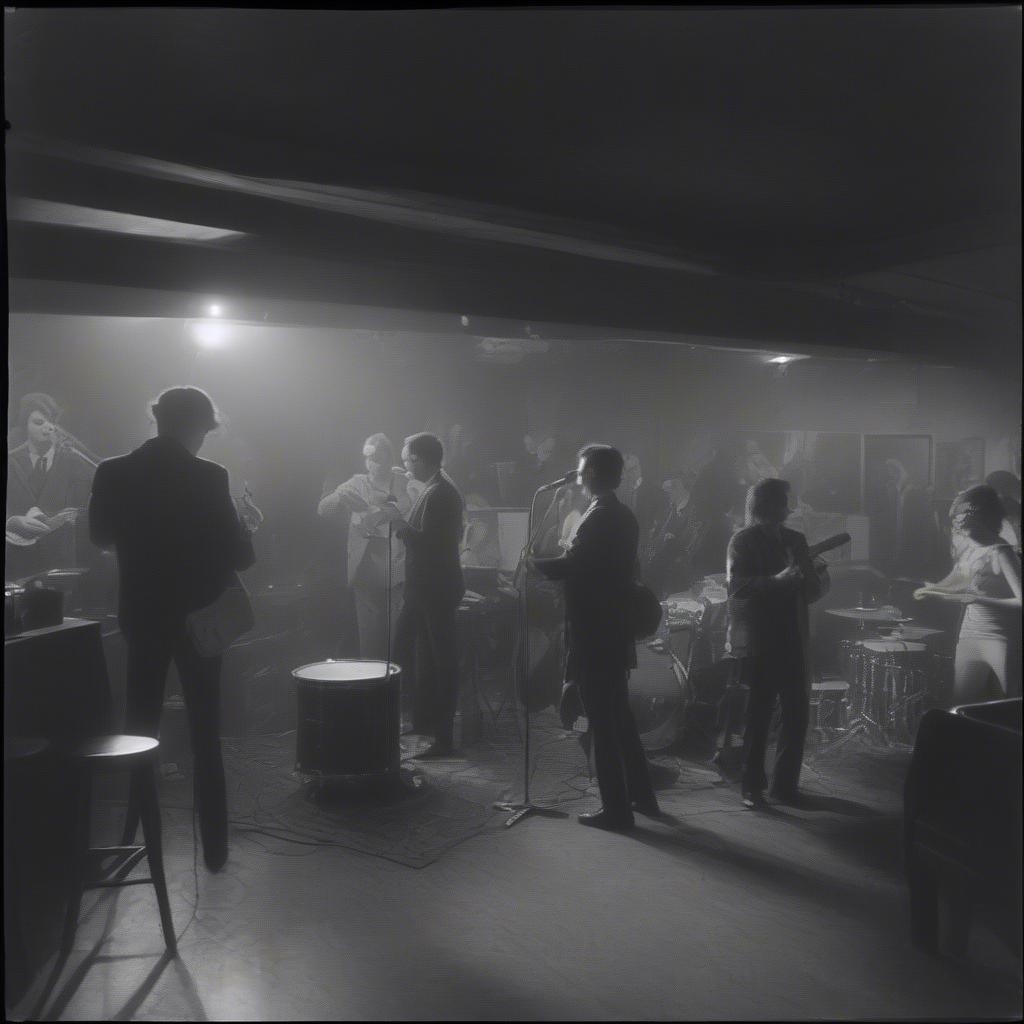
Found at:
(569, 478)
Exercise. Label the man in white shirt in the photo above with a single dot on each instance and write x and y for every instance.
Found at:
(366, 496)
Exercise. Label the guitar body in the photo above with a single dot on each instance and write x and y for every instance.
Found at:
(54, 522)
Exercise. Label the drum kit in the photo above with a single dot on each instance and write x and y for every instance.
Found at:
(891, 678)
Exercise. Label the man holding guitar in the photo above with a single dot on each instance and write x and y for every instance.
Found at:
(48, 483)
(772, 579)
(179, 542)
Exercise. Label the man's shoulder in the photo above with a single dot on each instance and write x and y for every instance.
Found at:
(117, 463)
(19, 452)
(446, 491)
(211, 470)
(612, 515)
(744, 535)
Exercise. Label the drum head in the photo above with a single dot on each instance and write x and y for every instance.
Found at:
(345, 672)
(893, 646)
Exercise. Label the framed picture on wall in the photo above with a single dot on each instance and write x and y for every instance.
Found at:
(760, 455)
(958, 465)
(824, 470)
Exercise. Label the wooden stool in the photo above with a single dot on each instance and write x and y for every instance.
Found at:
(18, 752)
(137, 754)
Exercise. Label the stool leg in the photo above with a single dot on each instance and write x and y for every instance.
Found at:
(131, 820)
(83, 805)
(149, 807)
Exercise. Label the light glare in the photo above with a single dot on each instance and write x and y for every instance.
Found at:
(210, 335)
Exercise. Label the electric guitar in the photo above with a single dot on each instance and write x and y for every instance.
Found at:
(815, 551)
(54, 522)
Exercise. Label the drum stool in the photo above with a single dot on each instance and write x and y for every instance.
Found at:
(137, 754)
(829, 705)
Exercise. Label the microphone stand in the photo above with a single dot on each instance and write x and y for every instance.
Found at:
(518, 810)
(70, 442)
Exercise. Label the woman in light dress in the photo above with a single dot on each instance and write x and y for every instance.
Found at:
(986, 580)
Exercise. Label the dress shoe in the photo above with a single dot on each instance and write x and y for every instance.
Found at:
(436, 750)
(648, 808)
(790, 798)
(754, 799)
(602, 819)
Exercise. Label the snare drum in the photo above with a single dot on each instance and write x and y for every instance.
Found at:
(349, 718)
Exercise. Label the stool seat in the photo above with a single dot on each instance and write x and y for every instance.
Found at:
(137, 755)
(21, 748)
(115, 747)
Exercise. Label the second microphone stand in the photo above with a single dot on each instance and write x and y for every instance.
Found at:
(518, 810)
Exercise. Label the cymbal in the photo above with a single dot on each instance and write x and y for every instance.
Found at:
(868, 614)
(908, 632)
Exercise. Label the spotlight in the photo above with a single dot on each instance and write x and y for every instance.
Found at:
(214, 310)
(780, 360)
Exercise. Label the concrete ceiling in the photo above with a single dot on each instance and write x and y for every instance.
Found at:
(821, 176)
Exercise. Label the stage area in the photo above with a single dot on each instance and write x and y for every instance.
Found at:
(424, 906)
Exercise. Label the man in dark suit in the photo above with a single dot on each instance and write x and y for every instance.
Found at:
(771, 582)
(178, 538)
(425, 633)
(51, 477)
(598, 569)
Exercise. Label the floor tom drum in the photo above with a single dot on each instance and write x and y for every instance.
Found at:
(349, 718)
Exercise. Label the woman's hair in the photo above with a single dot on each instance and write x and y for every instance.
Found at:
(184, 409)
(977, 509)
(381, 443)
(764, 497)
(1005, 484)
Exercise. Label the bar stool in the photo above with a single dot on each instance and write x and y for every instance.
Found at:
(137, 754)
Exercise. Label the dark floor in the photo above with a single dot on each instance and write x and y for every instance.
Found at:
(424, 906)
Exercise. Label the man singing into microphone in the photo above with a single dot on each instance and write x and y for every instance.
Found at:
(425, 633)
(48, 481)
(598, 569)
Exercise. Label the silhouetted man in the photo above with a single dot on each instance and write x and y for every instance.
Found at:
(598, 569)
(425, 632)
(771, 582)
(178, 538)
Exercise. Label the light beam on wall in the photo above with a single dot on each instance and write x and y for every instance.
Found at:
(43, 211)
